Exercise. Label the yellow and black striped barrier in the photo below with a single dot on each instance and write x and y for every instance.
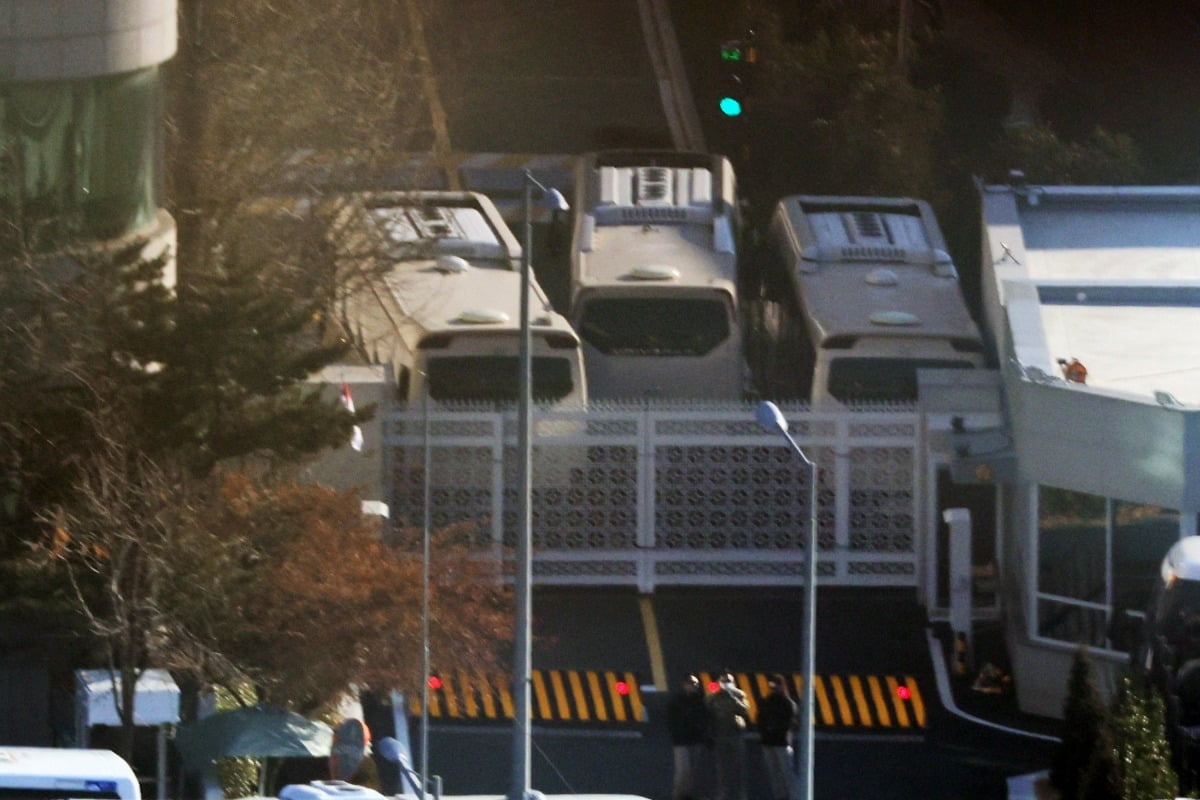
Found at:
(859, 701)
(879, 702)
(593, 696)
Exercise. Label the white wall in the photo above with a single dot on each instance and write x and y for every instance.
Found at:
(1108, 446)
(67, 39)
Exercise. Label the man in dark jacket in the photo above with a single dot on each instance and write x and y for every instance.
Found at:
(687, 719)
(776, 721)
(728, 713)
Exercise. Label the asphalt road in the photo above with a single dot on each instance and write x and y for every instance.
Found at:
(530, 76)
(860, 632)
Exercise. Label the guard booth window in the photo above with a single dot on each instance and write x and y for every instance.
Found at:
(1142, 535)
(1097, 557)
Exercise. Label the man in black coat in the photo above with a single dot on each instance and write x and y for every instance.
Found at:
(728, 715)
(687, 718)
(776, 722)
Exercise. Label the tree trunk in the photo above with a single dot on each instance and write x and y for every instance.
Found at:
(129, 681)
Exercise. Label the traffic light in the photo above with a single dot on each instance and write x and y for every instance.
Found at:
(733, 97)
(739, 53)
(738, 60)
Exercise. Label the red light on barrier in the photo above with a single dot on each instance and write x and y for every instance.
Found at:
(435, 682)
(903, 692)
(713, 686)
(622, 688)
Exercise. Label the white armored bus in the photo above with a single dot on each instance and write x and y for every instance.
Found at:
(857, 294)
(654, 275)
(433, 289)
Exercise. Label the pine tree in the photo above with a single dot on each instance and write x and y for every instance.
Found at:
(1101, 779)
(1085, 718)
(73, 340)
(233, 372)
(1144, 753)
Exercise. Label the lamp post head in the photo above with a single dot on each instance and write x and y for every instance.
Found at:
(770, 417)
(553, 199)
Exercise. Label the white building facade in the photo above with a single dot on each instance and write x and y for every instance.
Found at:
(1107, 474)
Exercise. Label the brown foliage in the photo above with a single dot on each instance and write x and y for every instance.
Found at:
(115, 540)
(322, 603)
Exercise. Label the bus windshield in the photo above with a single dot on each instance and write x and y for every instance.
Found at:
(494, 378)
(882, 379)
(655, 326)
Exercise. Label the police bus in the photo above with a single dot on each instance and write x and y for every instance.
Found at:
(855, 294)
(432, 288)
(654, 275)
(47, 772)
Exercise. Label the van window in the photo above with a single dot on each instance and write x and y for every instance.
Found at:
(494, 378)
(655, 326)
(96, 790)
(881, 379)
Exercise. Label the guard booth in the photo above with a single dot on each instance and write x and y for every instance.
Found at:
(156, 704)
(969, 458)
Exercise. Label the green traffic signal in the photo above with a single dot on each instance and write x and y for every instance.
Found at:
(731, 106)
(739, 52)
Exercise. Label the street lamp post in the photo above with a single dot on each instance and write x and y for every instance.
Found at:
(426, 533)
(771, 418)
(523, 573)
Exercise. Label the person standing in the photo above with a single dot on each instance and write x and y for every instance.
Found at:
(728, 714)
(776, 722)
(687, 720)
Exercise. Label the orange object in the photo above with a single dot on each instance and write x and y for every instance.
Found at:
(1073, 370)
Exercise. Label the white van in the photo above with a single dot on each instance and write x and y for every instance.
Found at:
(49, 772)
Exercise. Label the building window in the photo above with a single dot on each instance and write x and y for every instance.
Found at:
(1097, 557)
(80, 159)
(1072, 566)
(1142, 535)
